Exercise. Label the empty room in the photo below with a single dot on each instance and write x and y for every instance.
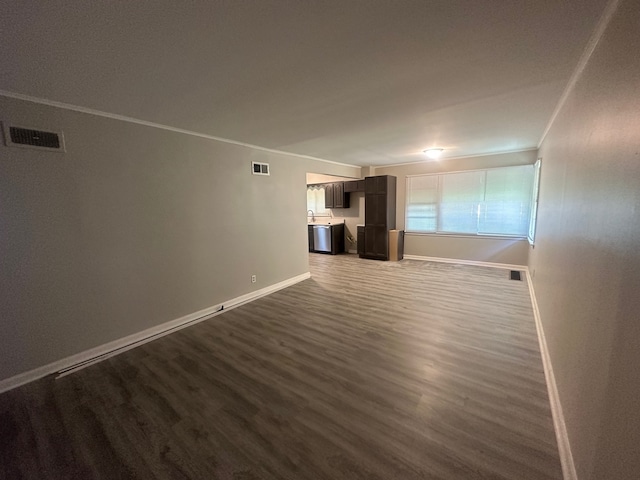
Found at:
(278, 239)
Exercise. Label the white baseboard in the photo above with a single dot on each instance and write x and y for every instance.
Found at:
(80, 360)
(236, 302)
(564, 447)
(506, 266)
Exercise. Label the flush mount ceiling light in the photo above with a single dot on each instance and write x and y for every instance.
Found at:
(433, 152)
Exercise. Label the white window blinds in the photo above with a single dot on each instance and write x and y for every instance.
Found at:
(422, 204)
(495, 201)
(507, 201)
(460, 197)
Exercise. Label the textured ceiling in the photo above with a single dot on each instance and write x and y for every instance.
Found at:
(361, 82)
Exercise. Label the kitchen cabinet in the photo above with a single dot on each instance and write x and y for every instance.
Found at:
(360, 240)
(340, 199)
(376, 243)
(311, 245)
(335, 196)
(354, 186)
(379, 215)
(328, 195)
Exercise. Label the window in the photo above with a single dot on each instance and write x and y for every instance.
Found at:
(496, 201)
(422, 203)
(534, 202)
(315, 201)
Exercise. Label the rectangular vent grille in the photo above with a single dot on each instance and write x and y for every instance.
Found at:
(515, 275)
(35, 138)
(260, 168)
(32, 138)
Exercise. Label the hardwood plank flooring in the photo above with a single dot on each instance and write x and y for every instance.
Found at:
(368, 370)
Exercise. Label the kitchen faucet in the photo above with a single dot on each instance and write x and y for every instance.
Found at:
(313, 218)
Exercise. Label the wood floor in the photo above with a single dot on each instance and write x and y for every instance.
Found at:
(368, 370)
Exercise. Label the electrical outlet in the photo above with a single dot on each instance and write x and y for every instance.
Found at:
(253, 279)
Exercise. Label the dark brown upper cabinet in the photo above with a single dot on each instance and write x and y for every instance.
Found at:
(379, 185)
(340, 199)
(354, 186)
(335, 196)
(328, 196)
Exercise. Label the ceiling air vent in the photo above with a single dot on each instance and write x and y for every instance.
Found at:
(259, 168)
(31, 138)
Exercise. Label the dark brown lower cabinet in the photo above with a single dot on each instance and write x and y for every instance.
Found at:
(376, 242)
(360, 240)
(310, 233)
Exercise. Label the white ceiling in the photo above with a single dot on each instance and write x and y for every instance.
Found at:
(360, 82)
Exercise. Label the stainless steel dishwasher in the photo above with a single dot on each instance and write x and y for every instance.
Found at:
(322, 238)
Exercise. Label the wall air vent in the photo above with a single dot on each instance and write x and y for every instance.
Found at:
(15, 136)
(260, 168)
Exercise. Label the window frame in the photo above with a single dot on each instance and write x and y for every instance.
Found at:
(535, 197)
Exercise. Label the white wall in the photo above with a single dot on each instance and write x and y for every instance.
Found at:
(587, 255)
(132, 227)
(493, 250)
